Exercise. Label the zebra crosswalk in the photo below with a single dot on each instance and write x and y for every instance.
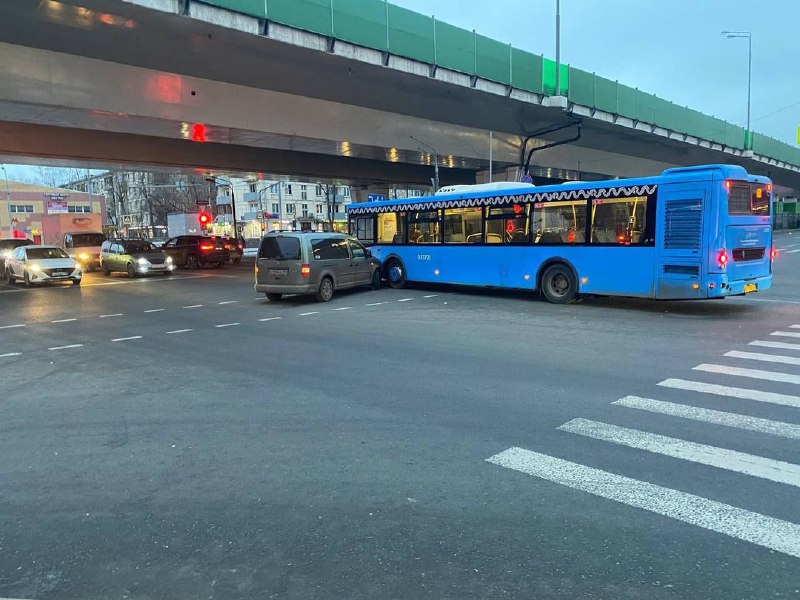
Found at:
(776, 534)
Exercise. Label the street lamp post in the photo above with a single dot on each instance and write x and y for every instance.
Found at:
(233, 200)
(558, 47)
(435, 162)
(749, 37)
(8, 202)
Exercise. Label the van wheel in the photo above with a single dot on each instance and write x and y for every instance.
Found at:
(131, 271)
(558, 284)
(274, 297)
(191, 262)
(396, 274)
(325, 291)
(376, 279)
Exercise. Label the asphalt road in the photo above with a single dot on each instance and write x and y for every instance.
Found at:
(184, 438)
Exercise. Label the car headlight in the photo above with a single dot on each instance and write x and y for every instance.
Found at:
(77, 266)
(168, 259)
(36, 268)
(6, 254)
(143, 261)
(83, 256)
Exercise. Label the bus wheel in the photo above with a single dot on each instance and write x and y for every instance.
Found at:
(396, 274)
(559, 285)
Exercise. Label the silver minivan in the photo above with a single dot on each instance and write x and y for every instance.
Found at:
(310, 262)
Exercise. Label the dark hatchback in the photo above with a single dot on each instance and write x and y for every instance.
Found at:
(7, 247)
(193, 251)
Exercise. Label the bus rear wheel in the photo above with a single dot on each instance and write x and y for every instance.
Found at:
(559, 285)
(396, 274)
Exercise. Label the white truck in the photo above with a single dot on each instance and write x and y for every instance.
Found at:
(184, 224)
(79, 234)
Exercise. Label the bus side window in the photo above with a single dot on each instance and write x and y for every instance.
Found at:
(619, 221)
(365, 229)
(559, 222)
(390, 228)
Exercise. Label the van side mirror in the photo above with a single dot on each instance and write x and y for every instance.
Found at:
(368, 252)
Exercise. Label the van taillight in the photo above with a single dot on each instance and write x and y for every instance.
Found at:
(305, 270)
(722, 258)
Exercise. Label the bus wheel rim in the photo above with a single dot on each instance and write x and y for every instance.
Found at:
(395, 273)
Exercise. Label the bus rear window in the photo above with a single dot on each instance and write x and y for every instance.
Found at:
(748, 198)
(280, 248)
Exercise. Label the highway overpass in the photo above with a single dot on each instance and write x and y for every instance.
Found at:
(330, 89)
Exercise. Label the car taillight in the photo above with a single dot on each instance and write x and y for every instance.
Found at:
(206, 247)
(722, 258)
(305, 270)
(241, 247)
(227, 246)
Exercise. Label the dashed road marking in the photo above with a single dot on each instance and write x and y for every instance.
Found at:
(126, 339)
(111, 315)
(781, 345)
(227, 325)
(376, 303)
(405, 300)
(732, 392)
(794, 326)
(431, 296)
(343, 308)
(66, 347)
(721, 458)
(773, 358)
(716, 417)
(179, 331)
(228, 302)
(193, 306)
(64, 320)
(8, 354)
(752, 373)
(154, 310)
(305, 314)
(270, 319)
(762, 530)
(786, 334)
(13, 326)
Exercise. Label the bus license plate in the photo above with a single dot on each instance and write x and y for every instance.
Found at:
(750, 287)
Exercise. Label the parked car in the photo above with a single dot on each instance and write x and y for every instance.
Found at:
(135, 257)
(313, 263)
(42, 264)
(193, 251)
(7, 249)
(235, 249)
(251, 248)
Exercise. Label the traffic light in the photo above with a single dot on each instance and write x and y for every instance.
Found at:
(205, 219)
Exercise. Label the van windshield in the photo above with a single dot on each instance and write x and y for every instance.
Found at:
(280, 248)
(84, 240)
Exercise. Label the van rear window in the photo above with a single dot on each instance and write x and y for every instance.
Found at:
(280, 248)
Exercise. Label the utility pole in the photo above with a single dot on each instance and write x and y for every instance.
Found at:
(435, 162)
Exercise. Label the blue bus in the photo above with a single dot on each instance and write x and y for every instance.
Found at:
(693, 232)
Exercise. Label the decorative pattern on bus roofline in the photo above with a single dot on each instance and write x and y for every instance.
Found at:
(582, 194)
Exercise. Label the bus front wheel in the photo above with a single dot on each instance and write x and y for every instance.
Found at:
(396, 274)
(559, 285)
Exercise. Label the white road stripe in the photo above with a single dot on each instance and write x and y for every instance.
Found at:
(753, 527)
(7, 354)
(112, 315)
(721, 458)
(152, 310)
(13, 326)
(792, 251)
(63, 320)
(193, 306)
(717, 417)
(125, 339)
(343, 308)
(376, 303)
(786, 334)
(405, 300)
(794, 326)
(732, 392)
(65, 347)
(227, 325)
(271, 319)
(305, 314)
(773, 358)
(228, 302)
(180, 331)
(781, 345)
(752, 373)
(431, 296)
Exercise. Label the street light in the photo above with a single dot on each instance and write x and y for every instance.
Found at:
(8, 202)
(749, 37)
(233, 199)
(435, 162)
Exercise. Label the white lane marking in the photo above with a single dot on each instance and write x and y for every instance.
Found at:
(781, 345)
(431, 296)
(794, 326)
(376, 303)
(227, 325)
(792, 251)
(271, 319)
(773, 358)
(63, 320)
(343, 308)
(732, 392)
(305, 314)
(717, 417)
(786, 334)
(125, 339)
(193, 306)
(721, 458)
(405, 300)
(152, 310)
(752, 373)
(228, 302)
(13, 326)
(753, 527)
(789, 246)
(6, 355)
(147, 281)
(180, 331)
(109, 316)
(65, 347)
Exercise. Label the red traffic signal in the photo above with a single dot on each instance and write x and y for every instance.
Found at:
(204, 219)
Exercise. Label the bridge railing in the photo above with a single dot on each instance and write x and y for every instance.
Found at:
(382, 26)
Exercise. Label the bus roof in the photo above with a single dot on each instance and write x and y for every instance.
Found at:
(718, 172)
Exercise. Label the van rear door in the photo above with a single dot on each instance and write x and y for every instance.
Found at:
(279, 260)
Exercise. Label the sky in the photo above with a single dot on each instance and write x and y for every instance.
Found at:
(672, 48)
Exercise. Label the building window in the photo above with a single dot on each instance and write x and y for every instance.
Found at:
(276, 208)
(319, 209)
(253, 188)
(559, 222)
(415, 194)
(288, 189)
(79, 209)
(305, 211)
(21, 208)
(319, 190)
(303, 193)
(290, 209)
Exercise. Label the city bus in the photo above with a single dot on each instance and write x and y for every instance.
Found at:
(689, 233)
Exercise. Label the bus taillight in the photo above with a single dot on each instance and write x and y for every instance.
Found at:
(773, 252)
(722, 258)
(728, 184)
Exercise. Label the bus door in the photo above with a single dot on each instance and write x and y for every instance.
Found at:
(682, 218)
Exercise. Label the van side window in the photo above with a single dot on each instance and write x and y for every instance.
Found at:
(357, 250)
(329, 248)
